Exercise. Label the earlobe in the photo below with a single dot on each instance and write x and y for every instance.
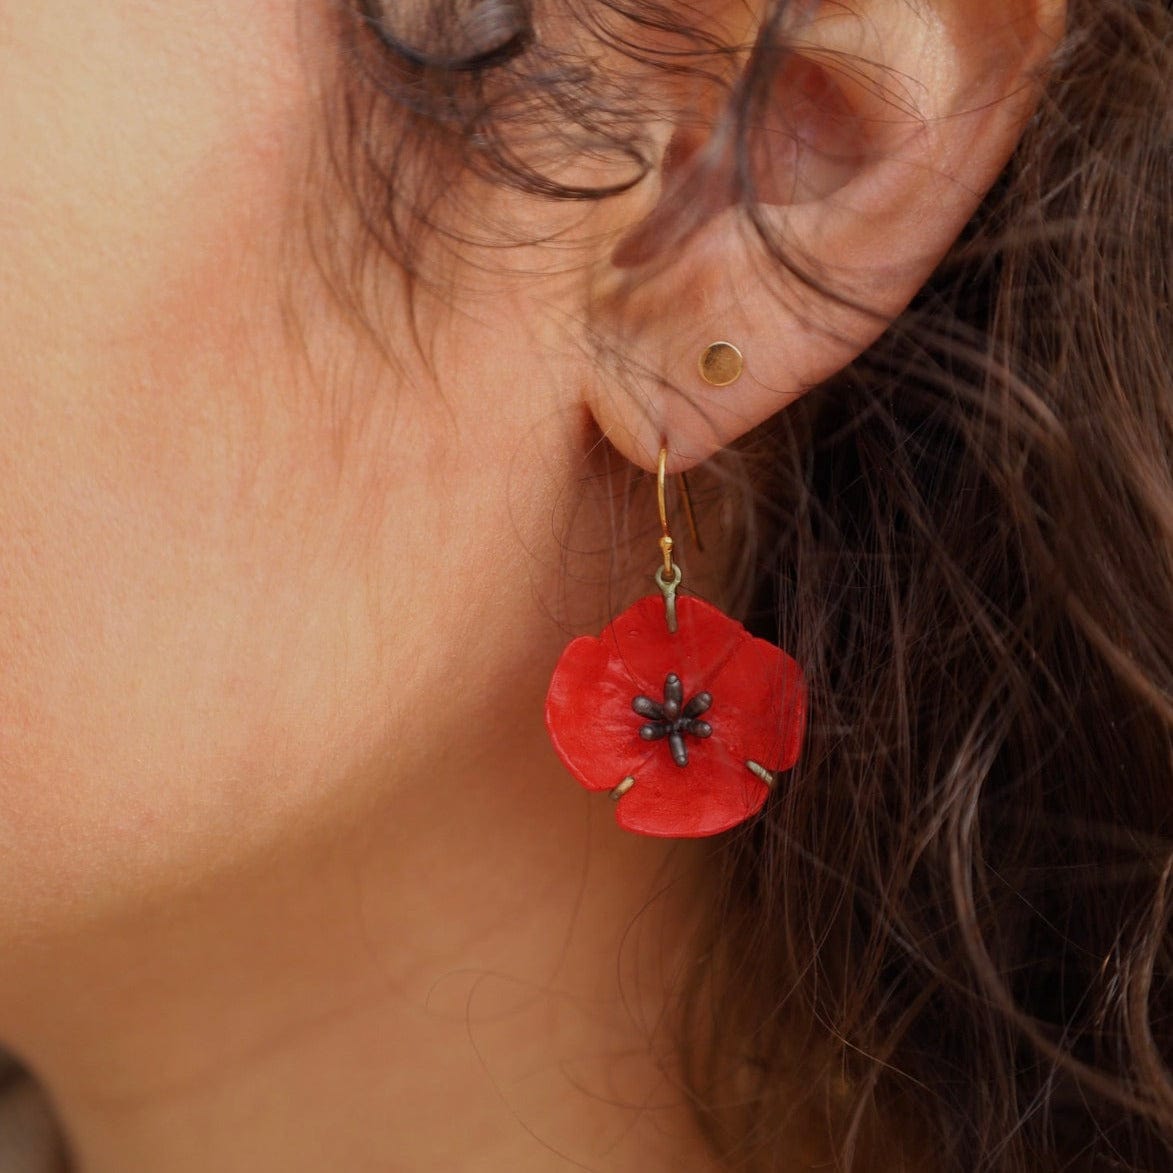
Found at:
(864, 143)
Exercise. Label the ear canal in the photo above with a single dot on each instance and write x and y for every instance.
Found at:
(801, 139)
(805, 139)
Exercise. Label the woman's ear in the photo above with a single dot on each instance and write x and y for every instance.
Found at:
(878, 128)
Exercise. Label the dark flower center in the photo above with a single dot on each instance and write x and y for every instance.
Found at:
(671, 718)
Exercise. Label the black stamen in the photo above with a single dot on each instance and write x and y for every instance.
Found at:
(673, 696)
(646, 707)
(672, 718)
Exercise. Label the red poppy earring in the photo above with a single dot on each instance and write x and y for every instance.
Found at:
(677, 710)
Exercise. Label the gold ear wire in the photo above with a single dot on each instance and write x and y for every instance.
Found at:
(668, 576)
(666, 542)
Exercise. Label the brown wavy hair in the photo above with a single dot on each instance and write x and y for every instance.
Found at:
(953, 922)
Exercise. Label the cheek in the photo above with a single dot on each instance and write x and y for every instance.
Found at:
(147, 155)
(134, 134)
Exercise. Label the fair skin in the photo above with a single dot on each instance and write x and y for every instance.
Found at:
(290, 878)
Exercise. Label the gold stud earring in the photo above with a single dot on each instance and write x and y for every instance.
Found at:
(721, 364)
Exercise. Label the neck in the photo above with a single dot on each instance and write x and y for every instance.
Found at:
(404, 992)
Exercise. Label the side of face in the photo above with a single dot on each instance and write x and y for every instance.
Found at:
(265, 549)
(226, 538)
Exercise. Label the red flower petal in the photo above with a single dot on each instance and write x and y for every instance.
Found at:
(588, 714)
(711, 794)
(758, 714)
(647, 651)
(759, 705)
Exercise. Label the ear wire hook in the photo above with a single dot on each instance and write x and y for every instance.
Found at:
(666, 543)
(668, 575)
